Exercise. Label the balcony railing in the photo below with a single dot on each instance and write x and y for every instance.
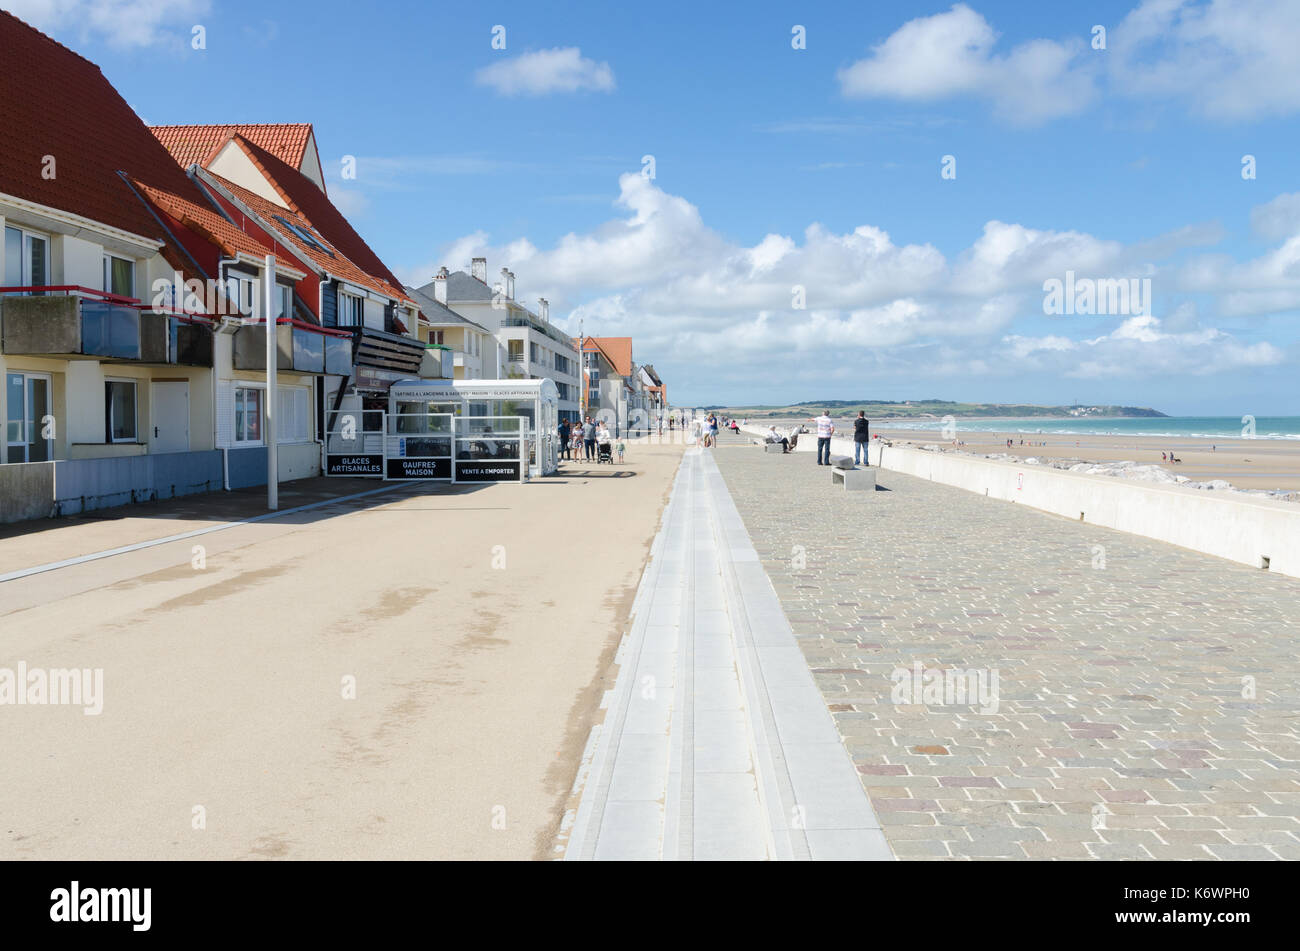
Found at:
(300, 347)
(73, 321)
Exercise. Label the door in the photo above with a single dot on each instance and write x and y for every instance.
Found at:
(169, 407)
(29, 419)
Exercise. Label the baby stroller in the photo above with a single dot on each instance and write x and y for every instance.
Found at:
(604, 453)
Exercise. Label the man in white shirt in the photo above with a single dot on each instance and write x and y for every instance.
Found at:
(774, 437)
(825, 429)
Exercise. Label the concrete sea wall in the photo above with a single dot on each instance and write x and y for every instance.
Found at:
(1253, 531)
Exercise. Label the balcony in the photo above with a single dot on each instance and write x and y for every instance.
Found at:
(73, 322)
(439, 362)
(301, 348)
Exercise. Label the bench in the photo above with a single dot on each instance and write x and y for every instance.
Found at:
(775, 447)
(853, 480)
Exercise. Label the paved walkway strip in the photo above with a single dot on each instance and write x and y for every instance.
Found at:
(716, 743)
(1142, 699)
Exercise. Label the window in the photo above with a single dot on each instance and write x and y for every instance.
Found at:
(305, 235)
(534, 353)
(352, 310)
(242, 292)
(294, 422)
(119, 411)
(248, 415)
(27, 259)
(514, 350)
(284, 307)
(119, 276)
(436, 336)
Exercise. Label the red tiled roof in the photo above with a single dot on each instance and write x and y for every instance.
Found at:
(56, 104)
(205, 221)
(617, 350)
(339, 265)
(198, 144)
(310, 202)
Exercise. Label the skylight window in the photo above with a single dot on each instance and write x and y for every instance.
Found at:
(306, 236)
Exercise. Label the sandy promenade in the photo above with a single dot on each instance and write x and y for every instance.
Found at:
(1246, 463)
(480, 626)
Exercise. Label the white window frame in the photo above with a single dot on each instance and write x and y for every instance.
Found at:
(242, 282)
(261, 415)
(284, 298)
(108, 274)
(345, 304)
(300, 395)
(24, 256)
(135, 406)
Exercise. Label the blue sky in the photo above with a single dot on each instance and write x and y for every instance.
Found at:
(1117, 163)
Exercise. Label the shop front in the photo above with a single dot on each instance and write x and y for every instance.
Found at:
(487, 430)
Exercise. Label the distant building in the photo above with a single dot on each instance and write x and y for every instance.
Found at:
(526, 345)
(473, 346)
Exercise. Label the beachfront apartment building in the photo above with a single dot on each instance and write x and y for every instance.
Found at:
(474, 349)
(132, 316)
(613, 388)
(527, 345)
(347, 291)
(114, 393)
(654, 394)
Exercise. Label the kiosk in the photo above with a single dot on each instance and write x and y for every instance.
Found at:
(487, 413)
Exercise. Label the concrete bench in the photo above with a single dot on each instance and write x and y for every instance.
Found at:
(775, 447)
(854, 480)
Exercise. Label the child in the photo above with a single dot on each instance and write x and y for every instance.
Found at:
(619, 449)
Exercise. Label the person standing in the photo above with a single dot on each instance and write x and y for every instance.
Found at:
(825, 429)
(565, 433)
(861, 438)
(713, 428)
(589, 438)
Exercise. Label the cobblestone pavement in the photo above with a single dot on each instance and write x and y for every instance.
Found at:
(1147, 696)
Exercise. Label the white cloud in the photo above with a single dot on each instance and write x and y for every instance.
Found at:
(952, 54)
(693, 298)
(1223, 59)
(543, 72)
(1277, 219)
(1140, 346)
(122, 24)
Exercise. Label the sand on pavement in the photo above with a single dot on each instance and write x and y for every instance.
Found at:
(477, 625)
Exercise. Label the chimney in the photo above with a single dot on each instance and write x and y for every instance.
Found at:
(478, 269)
(544, 308)
(440, 286)
(507, 283)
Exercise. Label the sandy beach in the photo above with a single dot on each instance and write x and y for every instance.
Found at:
(1245, 463)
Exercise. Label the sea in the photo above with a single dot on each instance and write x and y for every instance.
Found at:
(1193, 427)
